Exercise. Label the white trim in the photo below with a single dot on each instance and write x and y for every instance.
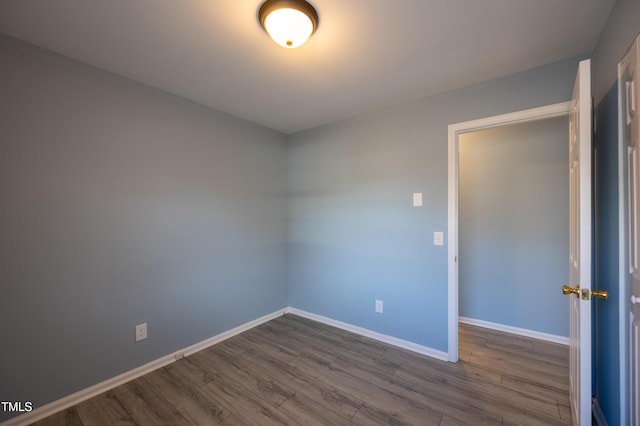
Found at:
(455, 130)
(516, 330)
(90, 392)
(525, 116)
(452, 238)
(404, 344)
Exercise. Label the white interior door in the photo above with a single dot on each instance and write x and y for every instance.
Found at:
(579, 287)
(630, 291)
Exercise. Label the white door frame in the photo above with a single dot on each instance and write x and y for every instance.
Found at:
(455, 130)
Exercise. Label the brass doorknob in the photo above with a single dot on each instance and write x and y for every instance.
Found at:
(600, 294)
(571, 290)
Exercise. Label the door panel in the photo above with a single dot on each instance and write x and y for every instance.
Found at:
(580, 246)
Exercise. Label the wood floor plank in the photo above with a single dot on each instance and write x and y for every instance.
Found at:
(190, 401)
(105, 409)
(307, 411)
(560, 395)
(147, 406)
(231, 421)
(565, 412)
(68, 417)
(433, 396)
(270, 346)
(523, 363)
(413, 360)
(499, 364)
(473, 335)
(450, 421)
(376, 365)
(302, 383)
(490, 397)
(395, 405)
(510, 340)
(197, 374)
(231, 346)
(278, 343)
(552, 351)
(252, 380)
(377, 415)
(527, 419)
(467, 407)
(245, 406)
(338, 339)
(293, 337)
(536, 354)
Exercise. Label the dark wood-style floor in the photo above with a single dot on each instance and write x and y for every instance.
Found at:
(295, 371)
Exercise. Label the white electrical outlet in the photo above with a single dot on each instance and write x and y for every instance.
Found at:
(141, 331)
(379, 306)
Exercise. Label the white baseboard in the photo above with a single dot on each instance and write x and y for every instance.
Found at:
(516, 330)
(404, 344)
(90, 392)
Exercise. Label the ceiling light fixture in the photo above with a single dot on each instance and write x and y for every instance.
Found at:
(289, 22)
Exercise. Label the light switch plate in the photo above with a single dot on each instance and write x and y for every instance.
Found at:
(417, 199)
(438, 238)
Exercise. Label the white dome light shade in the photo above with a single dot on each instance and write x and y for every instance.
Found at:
(288, 27)
(289, 23)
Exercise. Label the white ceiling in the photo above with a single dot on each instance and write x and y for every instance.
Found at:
(366, 54)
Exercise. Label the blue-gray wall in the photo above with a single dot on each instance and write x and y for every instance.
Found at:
(353, 234)
(620, 31)
(120, 205)
(513, 222)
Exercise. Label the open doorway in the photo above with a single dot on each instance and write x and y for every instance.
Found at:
(513, 221)
(455, 132)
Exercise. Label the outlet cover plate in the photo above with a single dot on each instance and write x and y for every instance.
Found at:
(141, 331)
